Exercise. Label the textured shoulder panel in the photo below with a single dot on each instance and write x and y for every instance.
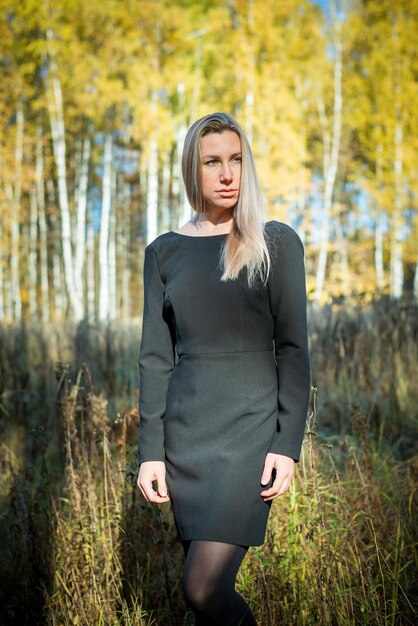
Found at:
(281, 235)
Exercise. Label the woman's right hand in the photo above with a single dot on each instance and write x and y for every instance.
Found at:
(149, 472)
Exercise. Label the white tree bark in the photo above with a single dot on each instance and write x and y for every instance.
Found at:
(1, 275)
(112, 254)
(81, 204)
(2, 311)
(43, 241)
(378, 228)
(185, 211)
(56, 116)
(249, 114)
(103, 312)
(59, 290)
(123, 238)
(165, 197)
(197, 81)
(250, 89)
(378, 250)
(152, 191)
(342, 250)
(91, 283)
(415, 292)
(2, 250)
(13, 195)
(396, 263)
(301, 218)
(331, 157)
(33, 244)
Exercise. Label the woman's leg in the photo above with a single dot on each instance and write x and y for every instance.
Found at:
(209, 583)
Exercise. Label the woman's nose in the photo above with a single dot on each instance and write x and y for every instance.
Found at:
(226, 173)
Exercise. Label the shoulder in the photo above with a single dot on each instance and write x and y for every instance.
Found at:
(163, 252)
(160, 244)
(281, 235)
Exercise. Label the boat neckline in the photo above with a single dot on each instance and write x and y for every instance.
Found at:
(198, 236)
(173, 232)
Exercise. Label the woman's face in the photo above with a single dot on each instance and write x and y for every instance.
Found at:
(220, 169)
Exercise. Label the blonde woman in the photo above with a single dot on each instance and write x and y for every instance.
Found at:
(224, 367)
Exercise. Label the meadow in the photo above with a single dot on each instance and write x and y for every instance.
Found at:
(80, 546)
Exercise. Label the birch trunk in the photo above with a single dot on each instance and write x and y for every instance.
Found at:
(396, 264)
(342, 249)
(124, 253)
(56, 116)
(415, 292)
(152, 192)
(2, 248)
(185, 211)
(331, 157)
(249, 114)
(103, 312)
(2, 308)
(13, 195)
(378, 250)
(378, 230)
(90, 281)
(197, 81)
(43, 241)
(301, 222)
(165, 197)
(112, 255)
(59, 291)
(80, 234)
(33, 241)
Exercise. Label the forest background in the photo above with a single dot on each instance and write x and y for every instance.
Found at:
(95, 101)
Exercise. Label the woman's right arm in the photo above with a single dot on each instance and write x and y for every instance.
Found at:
(156, 362)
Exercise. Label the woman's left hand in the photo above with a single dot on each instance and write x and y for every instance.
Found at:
(285, 468)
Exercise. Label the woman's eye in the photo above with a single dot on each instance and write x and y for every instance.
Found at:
(238, 159)
(211, 162)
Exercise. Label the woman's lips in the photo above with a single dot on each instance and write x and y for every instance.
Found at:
(227, 191)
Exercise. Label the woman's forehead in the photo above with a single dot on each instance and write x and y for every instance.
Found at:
(225, 141)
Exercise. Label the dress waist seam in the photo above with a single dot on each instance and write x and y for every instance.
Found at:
(224, 352)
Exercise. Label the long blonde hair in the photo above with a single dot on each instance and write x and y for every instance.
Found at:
(245, 244)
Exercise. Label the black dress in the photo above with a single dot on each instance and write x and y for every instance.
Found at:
(224, 379)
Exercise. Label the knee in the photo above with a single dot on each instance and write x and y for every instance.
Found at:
(197, 594)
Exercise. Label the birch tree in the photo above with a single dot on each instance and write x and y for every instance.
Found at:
(56, 117)
(13, 194)
(43, 241)
(103, 311)
(331, 142)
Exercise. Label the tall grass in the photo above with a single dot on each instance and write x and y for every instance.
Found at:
(81, 546)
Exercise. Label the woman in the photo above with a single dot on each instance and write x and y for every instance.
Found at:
(224, 367)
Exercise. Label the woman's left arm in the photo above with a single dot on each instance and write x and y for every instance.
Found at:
(287, 290)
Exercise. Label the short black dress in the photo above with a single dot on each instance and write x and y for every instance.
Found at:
(224, 379)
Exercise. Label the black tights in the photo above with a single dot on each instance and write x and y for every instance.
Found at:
(209, 584)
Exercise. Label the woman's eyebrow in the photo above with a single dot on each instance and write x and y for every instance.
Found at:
(216, 156)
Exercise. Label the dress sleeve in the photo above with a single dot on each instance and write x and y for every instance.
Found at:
(287, 290)
(156, 361)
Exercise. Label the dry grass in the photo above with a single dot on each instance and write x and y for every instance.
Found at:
(82, 546)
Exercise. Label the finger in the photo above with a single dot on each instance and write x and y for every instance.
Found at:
(143, 493)
(276, 486)
(147, 488)
(280, 486)
(285, 486)
(138, 482)
(161, 484)
(150, 494)
(268, 468)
